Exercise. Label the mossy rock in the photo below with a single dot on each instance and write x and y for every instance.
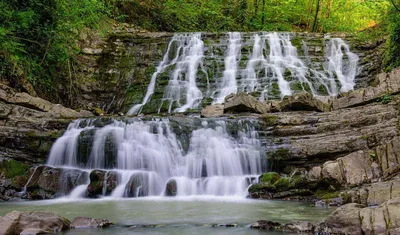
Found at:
(299, 182)
(275, 91)
(13, 168)
(266, 187)
(270, 177)
(282, 184)
(270, 120)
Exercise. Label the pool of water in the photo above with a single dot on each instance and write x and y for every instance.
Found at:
(183, 215)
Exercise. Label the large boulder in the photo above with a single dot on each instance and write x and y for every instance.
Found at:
(355, 219)
(344, 220)
(242, 103)
(333, 171)
(32, 223)
(302, 102)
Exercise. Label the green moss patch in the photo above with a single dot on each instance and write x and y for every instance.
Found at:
(270, 177)
(13, 168)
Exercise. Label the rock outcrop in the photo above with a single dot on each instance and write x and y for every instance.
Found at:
(7, 95)
(355, 219)
(301, 102)
(17, 222)
(29, 125)
(32, 223)
(373, 194)
(351, 218)
(388, 84)
(243, 102)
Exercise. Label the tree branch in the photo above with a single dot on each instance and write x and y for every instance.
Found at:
(396, 7)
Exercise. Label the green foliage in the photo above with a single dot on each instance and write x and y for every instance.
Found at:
(385, 99)
(323, 194)
(38, 39)
(270, 120)
(282, 184)
(270, 177)
(13, 168)
(253, 15)
(392, 56)
(373, 156)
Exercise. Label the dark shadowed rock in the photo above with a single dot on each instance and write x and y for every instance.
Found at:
(86, 222)
(32, 223)
(171, 188)
(266, 225)
(138, 185)
(302, 102)
(101, 183)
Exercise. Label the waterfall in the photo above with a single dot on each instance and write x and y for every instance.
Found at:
(213, 157)
(150, 88)
(198, 67)
(345, 70)
(229, 83)
(183, 78)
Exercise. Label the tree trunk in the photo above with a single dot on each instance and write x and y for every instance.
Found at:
(316, 16)
(263, 13)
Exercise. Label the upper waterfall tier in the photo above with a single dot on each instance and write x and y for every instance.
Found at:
(202, 157)
(196, 70)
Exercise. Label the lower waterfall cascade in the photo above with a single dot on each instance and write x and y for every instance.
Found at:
(268, 65)
(207, 157)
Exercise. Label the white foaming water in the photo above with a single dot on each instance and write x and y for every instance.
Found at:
(269, 69)
(229, 84)
(64, 150)
(78, 192)
(147, 155)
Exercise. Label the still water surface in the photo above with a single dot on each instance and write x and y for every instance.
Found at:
(182, 215)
